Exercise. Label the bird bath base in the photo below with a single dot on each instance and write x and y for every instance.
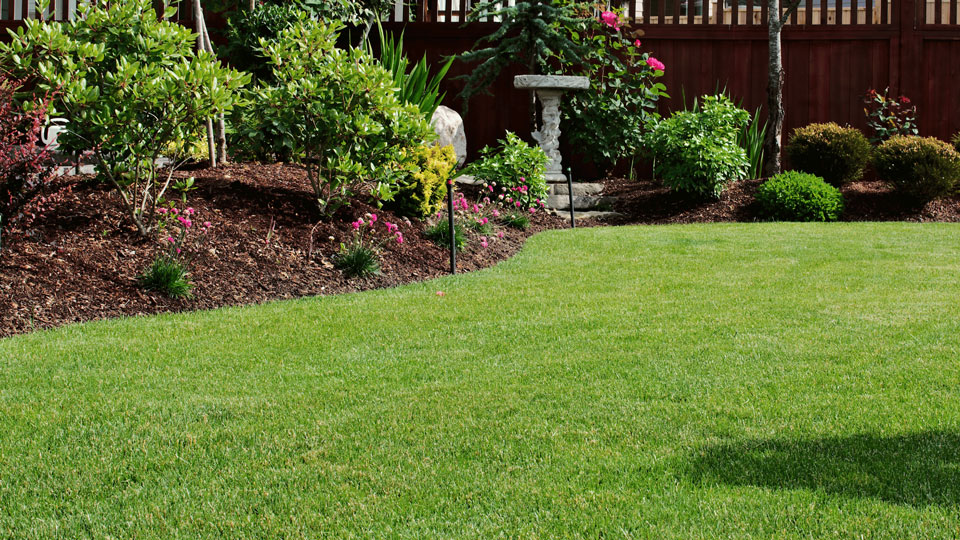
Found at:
(548, 89)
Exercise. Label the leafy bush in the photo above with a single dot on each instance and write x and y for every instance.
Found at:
(956, 141)
(836, 154)
(338, 113)
(131, 85)
(422, 190)
(415, 85)
(245, 29)
(168, 276)
(25, 165)
(887, 116)
(517, 168)
(696, 151)
(606, 122)
(921, 168)
(797, 196)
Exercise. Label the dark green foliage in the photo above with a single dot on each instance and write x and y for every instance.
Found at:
(422, 190)
(529, 34)
(515, 220)
(836, 154)
(956, 141)
(696, 151)
(168, 276)
(440, 234)
(797, 196)
(751, 140)
(416, 86)
(920, 168)
(246, 28)
(357, 260)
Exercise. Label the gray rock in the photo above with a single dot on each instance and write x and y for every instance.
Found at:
(449, 128)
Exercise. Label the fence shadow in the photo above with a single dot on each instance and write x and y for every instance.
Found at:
(917, 470)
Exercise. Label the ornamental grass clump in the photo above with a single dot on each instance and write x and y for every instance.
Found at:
(837, 154)
(797, 196)
(920, 168)
(183, 235)
(361, 257)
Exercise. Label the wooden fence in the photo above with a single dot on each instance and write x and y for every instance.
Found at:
(834, 51)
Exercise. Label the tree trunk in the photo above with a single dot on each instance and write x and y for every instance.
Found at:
(251, 5)
(771, 146)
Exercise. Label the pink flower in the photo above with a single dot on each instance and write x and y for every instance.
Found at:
(360, 221)
(178, 250)
(610, 19)
(496, 213)
(441, 293)
(356, 225)
(483, 238)
(636, 43)
(483, 244)
(174, 211)
(656, 64)
(399, 238)
(187, 223)
(500, 234)
(206, 224)
(484, 221)
(189, 211)
(533, 210)
(171, 239)
(490, 188)
(373, 218)
(500, 197)
(162, 210)
(517, 204)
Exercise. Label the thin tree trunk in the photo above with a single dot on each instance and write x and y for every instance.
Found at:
(251, 5)
(202, 46)
(772, 144)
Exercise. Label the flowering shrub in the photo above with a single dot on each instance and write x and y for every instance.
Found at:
(607, 121)
(132, 86)
(478, 217)
(697, 151)
(339, 115)
(836, 154)
(797, 196)
(25, 166)
(920, 168)
(515, 172)
(361, 257)
(888, 116)
(423, 187)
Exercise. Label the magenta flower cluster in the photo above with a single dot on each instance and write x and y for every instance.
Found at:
(181, 232)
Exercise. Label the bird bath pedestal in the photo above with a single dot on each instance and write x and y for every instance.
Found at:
(549, 88)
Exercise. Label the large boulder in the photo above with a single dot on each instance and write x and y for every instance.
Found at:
(449, 127)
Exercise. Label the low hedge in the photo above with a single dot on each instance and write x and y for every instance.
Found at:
(921, 168)
(798, 196)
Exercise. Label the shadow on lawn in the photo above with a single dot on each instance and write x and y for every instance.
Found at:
(917, 469)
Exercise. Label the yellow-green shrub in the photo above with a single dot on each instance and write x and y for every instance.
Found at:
(422, 190)
(921, 168)
(837, 154)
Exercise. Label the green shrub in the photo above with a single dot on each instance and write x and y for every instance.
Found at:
(245, 29)
(956, 141)
(168, 276)
(921, 168)
(514, 165)
(422, 190)
(339, 115)
(439, 232)
(797, 196)
(697, 151)
(132, 86)
(836, 154)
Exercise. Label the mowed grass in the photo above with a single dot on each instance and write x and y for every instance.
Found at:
(717, 381)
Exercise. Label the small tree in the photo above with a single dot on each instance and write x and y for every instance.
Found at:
(339, 114)
(131, 86)
(530, 33)
(776, 20)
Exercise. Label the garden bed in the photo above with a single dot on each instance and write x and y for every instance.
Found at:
(81, 261)
(650, 202)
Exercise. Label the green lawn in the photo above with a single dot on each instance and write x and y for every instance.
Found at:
(750, 380)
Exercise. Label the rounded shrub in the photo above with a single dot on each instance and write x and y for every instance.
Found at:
(423, 187)
(797, 196)
(921, 168)
(836, 154)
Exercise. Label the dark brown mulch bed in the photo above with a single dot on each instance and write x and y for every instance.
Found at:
(648, 201)
(80, 262)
